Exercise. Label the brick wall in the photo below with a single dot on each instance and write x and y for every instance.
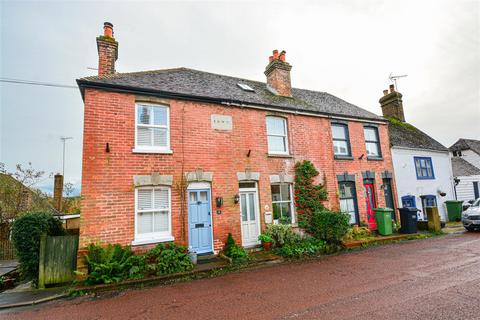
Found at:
(107, 178)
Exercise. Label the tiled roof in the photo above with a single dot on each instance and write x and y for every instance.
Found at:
(466, 144)
(461, 167)
(405, 135)
(189, 83)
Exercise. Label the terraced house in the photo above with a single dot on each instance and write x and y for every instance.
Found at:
(190, 156)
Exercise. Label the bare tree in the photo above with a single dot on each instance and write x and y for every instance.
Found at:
(68, 189)
(17, 192)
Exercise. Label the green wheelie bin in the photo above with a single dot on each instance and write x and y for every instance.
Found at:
(384, 220)
(454, 209)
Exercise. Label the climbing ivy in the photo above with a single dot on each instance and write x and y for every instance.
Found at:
(308, 195)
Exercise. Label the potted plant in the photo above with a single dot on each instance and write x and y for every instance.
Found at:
(266, 241)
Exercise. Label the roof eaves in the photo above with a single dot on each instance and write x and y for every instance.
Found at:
(85, 83)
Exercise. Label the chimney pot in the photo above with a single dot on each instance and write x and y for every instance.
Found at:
(108, 29)
(282, 55)
(392, 88)
(275, 54)
(270, 59)
(385, 92)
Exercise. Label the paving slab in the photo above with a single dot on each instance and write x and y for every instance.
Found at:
(7, 266)
(13, 298)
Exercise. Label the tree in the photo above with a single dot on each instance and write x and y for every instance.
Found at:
(68, 189)
(17, 192)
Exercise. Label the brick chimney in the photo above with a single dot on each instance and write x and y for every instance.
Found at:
(278, 74)
(392, 105)
(58, 191)
(107, 51)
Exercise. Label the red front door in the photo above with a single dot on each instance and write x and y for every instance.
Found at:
(370, 200)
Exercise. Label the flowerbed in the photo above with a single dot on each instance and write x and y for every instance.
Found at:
(115, 263)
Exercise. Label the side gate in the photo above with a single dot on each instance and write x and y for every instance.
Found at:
(58, 259)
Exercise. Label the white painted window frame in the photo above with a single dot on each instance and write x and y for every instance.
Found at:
(292, 206)
(152, 149)
(153, 237)
(285, 127)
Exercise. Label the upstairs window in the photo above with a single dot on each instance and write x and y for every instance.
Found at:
(152, 127)
(372, 142)
(424, 168)
(277, 135)
(341, 142)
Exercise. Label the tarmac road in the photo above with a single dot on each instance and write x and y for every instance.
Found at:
(437, 278)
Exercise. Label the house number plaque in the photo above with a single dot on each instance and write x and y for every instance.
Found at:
(222, 122)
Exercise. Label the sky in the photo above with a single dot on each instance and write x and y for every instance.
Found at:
(346, 48)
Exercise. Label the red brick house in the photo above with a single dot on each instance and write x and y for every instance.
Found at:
(190, 156)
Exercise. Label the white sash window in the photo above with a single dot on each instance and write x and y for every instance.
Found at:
(152, 128)
(153, 215)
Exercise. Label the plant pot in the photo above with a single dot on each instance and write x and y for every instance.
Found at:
(193, 257)
(267, 246)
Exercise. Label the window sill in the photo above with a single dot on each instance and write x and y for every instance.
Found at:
(158, 151)
(139, 242)
(343, 157)
(293, 224)
(375, 158)
(279, 155)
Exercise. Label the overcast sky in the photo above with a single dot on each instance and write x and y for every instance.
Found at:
(346, 48)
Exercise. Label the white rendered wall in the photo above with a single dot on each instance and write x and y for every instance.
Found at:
(408, 184)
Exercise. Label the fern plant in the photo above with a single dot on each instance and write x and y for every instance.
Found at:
(111, 264)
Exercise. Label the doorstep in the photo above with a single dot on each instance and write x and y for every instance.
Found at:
(380, 239)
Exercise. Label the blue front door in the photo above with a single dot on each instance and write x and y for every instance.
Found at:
(199, 221)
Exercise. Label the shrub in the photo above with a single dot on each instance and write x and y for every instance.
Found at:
(358, 233)
(330, 226)
(169, 258)
(281, 234)
(111, 264)
(234, 251)
(302, 247)
(308, 196)
(26, 232)
(265, 238)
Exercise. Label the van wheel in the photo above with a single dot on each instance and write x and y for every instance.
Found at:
(469, 229)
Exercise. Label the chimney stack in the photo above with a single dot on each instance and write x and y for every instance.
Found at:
(58, 191)
(278, 74)
(107, 51)
(392, 105)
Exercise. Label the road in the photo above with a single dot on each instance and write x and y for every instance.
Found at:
(437, 278)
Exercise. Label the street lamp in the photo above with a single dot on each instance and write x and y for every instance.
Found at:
(64, 139)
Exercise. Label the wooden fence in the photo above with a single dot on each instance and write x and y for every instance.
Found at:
(58, 259)
(7, 251)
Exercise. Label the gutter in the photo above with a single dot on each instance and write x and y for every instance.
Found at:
(236, 103)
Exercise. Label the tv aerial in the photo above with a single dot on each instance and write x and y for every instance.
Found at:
(393, 78)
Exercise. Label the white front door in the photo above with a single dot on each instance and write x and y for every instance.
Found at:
(249, 217)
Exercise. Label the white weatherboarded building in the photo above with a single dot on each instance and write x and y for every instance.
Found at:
(466, 168)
